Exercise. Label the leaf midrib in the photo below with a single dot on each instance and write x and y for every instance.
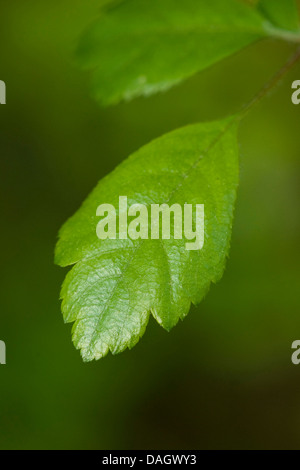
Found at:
(184, 177)
(261, 31)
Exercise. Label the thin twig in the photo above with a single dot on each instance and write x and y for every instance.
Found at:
(272, 83)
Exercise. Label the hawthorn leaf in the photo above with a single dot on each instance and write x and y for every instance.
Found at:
(281, 13)
(116, 283)
(139, 47)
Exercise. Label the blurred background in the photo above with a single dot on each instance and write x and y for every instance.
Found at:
(222, 379)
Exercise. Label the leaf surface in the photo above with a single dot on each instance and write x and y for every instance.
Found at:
(116, 284)
(139, 47)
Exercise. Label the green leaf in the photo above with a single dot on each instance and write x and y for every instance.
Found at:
(115, 284)
(281, 13)
(140, 47)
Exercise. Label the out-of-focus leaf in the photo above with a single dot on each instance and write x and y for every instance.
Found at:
(139, 47)
(281, 13)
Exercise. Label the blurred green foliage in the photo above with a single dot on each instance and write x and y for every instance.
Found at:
(140, 48)
(223, 378)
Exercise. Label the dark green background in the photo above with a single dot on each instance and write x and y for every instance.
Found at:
(221, 379)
